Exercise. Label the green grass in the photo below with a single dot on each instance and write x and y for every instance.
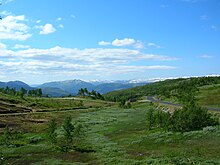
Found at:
(117, 136)
(37, 104)
(209, 95)
(169, 90)
(127, 140)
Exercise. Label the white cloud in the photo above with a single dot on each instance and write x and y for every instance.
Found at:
(38, 21)
(2, 46)
(8, 1)
(6, 54)
(14, 28)
(150, 44)
(103, 43)
(138, 45)
(73, 16)
(46, 29)
(157, 57)
(68, 61)
(5, 13)
(61, 26)
(138, 68)
(19, 46)
(206, 56)
(123, 42)
(59, 19)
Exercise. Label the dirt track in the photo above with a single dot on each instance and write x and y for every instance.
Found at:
(7, 108)
(152, 99)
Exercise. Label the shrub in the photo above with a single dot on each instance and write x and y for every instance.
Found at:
(6, 136)
(68, 129)
(191, 117)
(35, 139)
(150, 119)
(78, 132)
(52, 125)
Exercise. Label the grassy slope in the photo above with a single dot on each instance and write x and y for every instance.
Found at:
(118, 136)
(208, 95)
(48, 104)
(148, 89)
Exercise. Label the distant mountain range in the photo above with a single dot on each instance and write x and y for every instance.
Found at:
(15, 84)
(71, 87)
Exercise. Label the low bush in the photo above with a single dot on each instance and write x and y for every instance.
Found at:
(191, 117)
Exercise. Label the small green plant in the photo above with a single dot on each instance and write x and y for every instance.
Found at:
(150, 119)
(125, 104)
(78, 132)
(191, 117)
(35, 139)
(68, 130)
(80, 103)
(52, 126)
(7, 135)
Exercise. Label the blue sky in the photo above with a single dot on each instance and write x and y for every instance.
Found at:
(49, 40)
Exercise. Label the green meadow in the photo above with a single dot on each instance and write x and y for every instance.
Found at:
(109, 135)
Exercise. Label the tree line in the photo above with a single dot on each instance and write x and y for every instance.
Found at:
(93, 94)
(189, 118)
(169, 88)
(69, 137)
(22, 92)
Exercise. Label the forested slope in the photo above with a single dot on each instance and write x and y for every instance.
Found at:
(168, 89)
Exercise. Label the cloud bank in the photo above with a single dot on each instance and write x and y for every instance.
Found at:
(14, 28)
(72, 61)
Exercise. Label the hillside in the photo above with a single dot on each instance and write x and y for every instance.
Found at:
(15, 84)
(209, 95)
(70, 86)
(102, 128)
(54, 92)
(108, 87)
(172, 90)
(64, 88)
(108, 135)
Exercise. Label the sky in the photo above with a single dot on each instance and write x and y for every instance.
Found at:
(47, 40)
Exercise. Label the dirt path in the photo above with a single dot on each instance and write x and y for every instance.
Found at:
(7, 108)
(152, 99)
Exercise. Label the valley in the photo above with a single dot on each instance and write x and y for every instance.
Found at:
(71, 87)
(110, 82)
(108, 133)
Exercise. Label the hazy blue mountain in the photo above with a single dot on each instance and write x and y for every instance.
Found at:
(2, 85)
(15, 84)
(70, 86)
(108, 87)
(64, 88)
(54, 92)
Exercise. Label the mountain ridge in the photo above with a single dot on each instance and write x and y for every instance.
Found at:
(16, 84)
(71, 87)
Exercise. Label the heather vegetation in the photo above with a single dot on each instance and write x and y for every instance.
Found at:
(22, 92)
(84, 130)
(93, 94)
(174, 89)
(190, 118)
